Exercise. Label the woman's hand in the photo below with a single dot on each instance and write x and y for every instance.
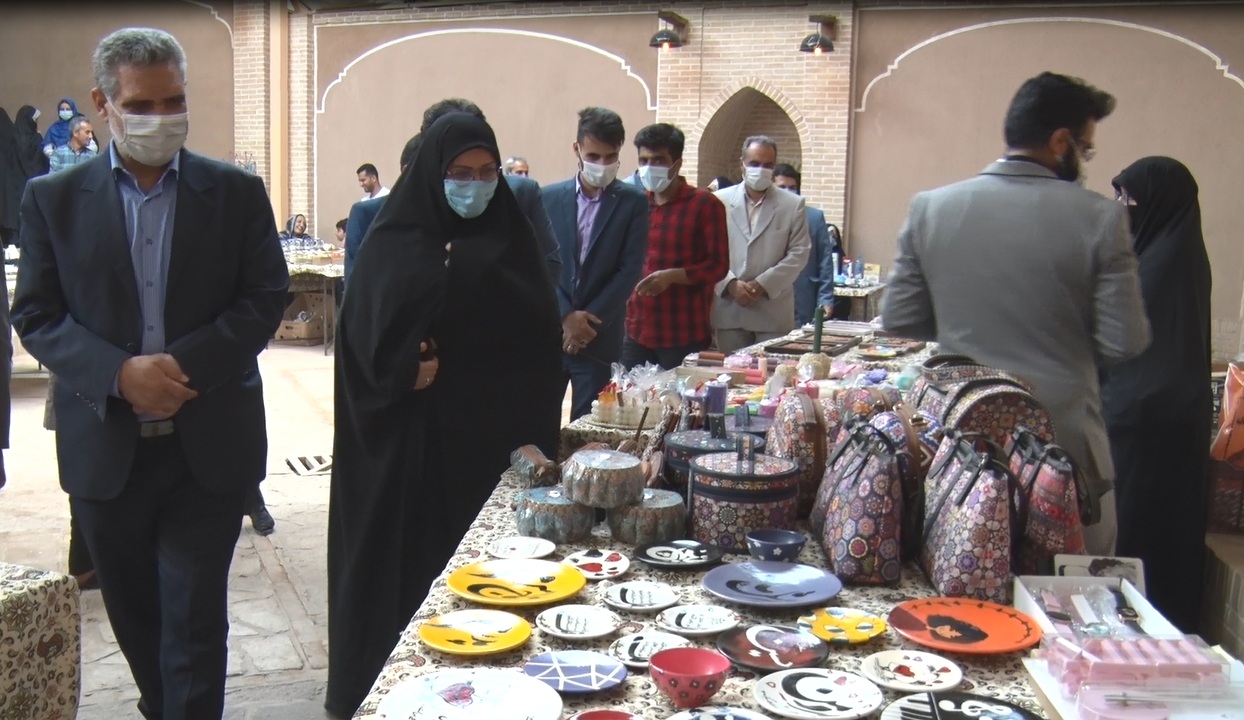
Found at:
(427, 368)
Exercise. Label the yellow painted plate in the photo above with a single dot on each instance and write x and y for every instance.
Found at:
(516, 582)
(843, 626)
(475, 632)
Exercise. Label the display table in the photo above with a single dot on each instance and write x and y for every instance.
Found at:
(583, 431)
(40, 644)
(1000, 676)
(322, 279)
(865, 301)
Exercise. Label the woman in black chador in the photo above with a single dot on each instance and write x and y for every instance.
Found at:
(1157, 406)
(448, 358)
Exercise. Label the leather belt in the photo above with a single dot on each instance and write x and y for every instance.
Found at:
(159, 428)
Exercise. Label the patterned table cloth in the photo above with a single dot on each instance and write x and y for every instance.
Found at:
(584, 431)
(1001, 676)
(40, 645)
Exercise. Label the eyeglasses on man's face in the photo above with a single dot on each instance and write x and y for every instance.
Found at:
(463, 174)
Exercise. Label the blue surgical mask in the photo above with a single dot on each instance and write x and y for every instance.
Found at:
(469, 199)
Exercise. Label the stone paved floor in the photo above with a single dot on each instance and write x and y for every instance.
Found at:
(277, 607)
(277, 646)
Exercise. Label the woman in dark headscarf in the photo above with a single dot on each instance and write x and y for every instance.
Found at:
(58, 132)
(12, 182)
(30, 157)
(1157, 406)
(451, 268)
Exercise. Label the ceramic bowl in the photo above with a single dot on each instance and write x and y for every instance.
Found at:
(689, 676)
(772, 544)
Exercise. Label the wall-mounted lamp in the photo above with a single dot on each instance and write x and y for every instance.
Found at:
(666, 37)
(821, 41)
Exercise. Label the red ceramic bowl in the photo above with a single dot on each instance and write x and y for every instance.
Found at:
(689, 676)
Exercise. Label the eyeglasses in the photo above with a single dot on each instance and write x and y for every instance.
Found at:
(459, 174)
(1086, 149)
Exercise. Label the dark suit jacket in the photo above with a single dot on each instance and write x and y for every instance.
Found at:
(77, 312)
(614, 261)
(526, 191)
(815, 284)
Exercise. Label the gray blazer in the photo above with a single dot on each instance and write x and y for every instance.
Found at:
(773, 255)
(1030, 274)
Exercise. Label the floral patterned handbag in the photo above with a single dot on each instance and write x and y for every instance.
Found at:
(973, 516)
(968, 396)
(862, 530)
(1057, 499)
(800, 432)
(916, 437)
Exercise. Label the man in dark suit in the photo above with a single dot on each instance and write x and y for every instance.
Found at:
(526, 191)
(602, 231)
(815, 284)
(150, 280)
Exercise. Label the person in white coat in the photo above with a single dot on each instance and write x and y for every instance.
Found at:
(769, 246)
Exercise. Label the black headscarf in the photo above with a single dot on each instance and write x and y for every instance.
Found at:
(1175, 280)
(30, 155)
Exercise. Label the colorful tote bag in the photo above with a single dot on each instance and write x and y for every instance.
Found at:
(1056, 498)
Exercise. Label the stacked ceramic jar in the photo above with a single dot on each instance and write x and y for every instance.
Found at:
(609, 480)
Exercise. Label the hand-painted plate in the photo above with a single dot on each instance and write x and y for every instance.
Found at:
(962, 625)
(697, 620)
(641, 596)
(843, 626)
(521, 547)
(516, 582)
(468, 694)
(954, 706)
(576, 671)
(766, 583)
(599, 564)
(911, 671)
(679, 554)
(768, 648)
(604, 715)
(475, 632)
(817, 694)
(719, 713)
(578, 622)
(634, 650)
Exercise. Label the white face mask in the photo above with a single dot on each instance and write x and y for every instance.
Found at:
(599, 176)
(150, 139)
(66, 114)
(655, 178)
(758, 178)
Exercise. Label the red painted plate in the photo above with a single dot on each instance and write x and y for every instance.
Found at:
(963, 625)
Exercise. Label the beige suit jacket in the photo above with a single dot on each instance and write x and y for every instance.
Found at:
(773, 254)
(1030, 274)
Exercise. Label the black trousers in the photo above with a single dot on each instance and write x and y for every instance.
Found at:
(162, 550)
(635, 354)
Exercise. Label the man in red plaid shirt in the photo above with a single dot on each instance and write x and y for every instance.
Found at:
(667, 317)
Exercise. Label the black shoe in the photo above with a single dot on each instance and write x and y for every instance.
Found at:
(262, 520)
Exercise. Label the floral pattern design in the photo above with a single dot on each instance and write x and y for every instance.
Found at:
(40, 644)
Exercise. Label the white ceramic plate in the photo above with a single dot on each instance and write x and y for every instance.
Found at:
(697, 620)
(468, 694)
(634, 650)
(578, 622)
(597, 564)
(641, 596)
(719, 713)
(911, 671)
(817, 694)
(521, 547)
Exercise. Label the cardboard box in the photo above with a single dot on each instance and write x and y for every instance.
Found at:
(1026, 601)
(304, 321)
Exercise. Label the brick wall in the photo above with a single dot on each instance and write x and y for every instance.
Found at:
(250, 83)
(301, 119)
(734, 49)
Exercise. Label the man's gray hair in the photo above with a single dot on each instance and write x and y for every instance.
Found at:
(761, 140)
(139, 47)
(511, 162)
(77, 122)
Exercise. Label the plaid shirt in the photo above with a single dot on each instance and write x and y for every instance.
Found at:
(64, 158)
(689, 232)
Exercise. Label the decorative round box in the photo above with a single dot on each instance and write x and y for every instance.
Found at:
(681, 447)
(731, 497)
(548, 513)
(603, 478)
(756, 424)
(660, 517)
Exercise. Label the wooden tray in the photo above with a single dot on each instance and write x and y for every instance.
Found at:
(830, 345)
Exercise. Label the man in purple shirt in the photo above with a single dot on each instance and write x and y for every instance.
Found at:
(602, 232)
